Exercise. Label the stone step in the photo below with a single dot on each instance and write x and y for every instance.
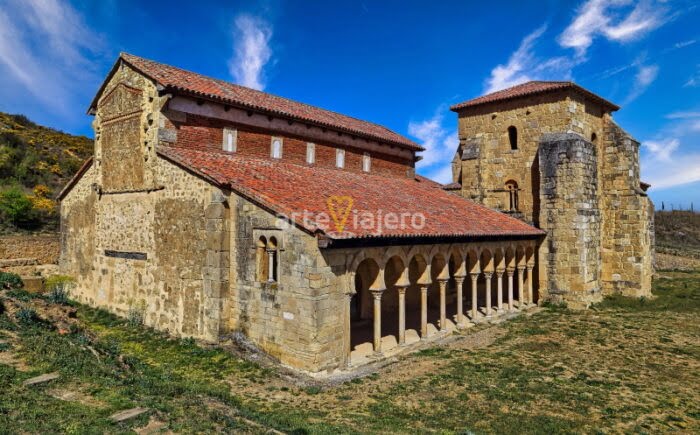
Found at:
(41, 379)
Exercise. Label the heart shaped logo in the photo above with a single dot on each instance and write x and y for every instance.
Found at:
(339, 208)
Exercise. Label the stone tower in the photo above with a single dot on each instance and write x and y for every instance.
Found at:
(550, 154)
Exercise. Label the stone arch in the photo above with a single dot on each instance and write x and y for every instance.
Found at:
(395, 272)
(520, 256)
(530, 255)
(472, 262)
(439, 267)
(418, 270)
(486, 260)
(510, 257)
(261, 259)
(395, 251)
(499, 259)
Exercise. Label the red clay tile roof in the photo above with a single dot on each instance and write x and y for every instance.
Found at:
(290, 190)
(193, 84)
(532, 88)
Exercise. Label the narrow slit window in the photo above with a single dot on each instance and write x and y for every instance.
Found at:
(230, 140)
(310, 153)
(513, 137)
(276, 148)
(366, 162)
(339, 158)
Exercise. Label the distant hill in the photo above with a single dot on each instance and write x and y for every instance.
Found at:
(678, 232)
(36, 161)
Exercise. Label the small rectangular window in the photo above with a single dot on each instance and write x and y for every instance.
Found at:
(276, 151)
(230, 140)
(366, 162)
(339, 158)
(310, 153)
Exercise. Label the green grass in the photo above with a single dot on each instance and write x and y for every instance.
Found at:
(626, 365)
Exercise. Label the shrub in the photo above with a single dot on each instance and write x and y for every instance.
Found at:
(59, 286)
(137, 313)
(27, 316)
(10, 281)
(17, 207)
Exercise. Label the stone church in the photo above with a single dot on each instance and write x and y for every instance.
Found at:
(216, 211)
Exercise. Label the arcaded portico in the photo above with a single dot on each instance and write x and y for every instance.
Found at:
(398, 296)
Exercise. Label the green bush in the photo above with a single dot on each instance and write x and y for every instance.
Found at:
(10, 281)
(27, 316)
(17, 208)
(59, 286)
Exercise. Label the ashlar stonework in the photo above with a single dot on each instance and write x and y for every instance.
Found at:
(192, 215)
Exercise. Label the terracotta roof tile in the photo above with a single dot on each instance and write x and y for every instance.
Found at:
(531, 88)
(299, 191)
(179, 80)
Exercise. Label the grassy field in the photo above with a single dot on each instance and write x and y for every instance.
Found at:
(624, 366)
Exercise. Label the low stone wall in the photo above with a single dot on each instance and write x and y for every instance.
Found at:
(29, 249)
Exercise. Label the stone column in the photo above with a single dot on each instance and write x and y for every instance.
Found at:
(499, 289)
(270, 265)
(443, 308)
(423, 311)
(521, 281)
(475, 277)
(459, 281)
(377, 294)
(530, 297)
(348, 329)
(402, 313)
(510, 288)
(488, 276)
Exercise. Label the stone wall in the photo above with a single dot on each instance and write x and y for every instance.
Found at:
(570, 215)
(487, 160)
(628, 225)
(41, 249)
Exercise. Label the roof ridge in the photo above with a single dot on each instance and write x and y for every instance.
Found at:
(126, 56)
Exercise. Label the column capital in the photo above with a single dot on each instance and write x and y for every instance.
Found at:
(377, 293)
(510, 271)
(521, 268)
(401, 289)
(488, 275)
(475, 275)
(530, 267)
(499, 273)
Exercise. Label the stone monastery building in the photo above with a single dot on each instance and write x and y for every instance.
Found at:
(214, 211)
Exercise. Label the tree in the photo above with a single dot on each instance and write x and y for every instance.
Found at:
(17, 207)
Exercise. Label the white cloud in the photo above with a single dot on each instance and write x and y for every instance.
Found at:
(672, 158)
(662, 149)
(46, 47)
(642, 80)
(251, 51)
(440, 144)
(523, 65)
(683, 115)
(602, 18)
(693, 81)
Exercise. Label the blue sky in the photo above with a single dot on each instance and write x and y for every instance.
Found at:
(397, 63)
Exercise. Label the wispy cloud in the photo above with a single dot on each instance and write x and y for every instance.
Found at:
(612, 20)
(662, 149)
(46, 47)
(693, 81)
(524, 65)
(440, 144)
(251, 37)
(646, 74)
(671, 158)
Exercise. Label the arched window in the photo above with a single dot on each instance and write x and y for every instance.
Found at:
(276, 150)
(513, 137)
(512, 189)
(261, 267)
(594, 138)
(272, 259)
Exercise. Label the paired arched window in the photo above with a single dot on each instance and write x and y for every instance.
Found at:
(513, 137)
(512, 190)
(266, 259)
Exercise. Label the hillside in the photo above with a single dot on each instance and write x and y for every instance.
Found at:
(35, 162)
(678, 232)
